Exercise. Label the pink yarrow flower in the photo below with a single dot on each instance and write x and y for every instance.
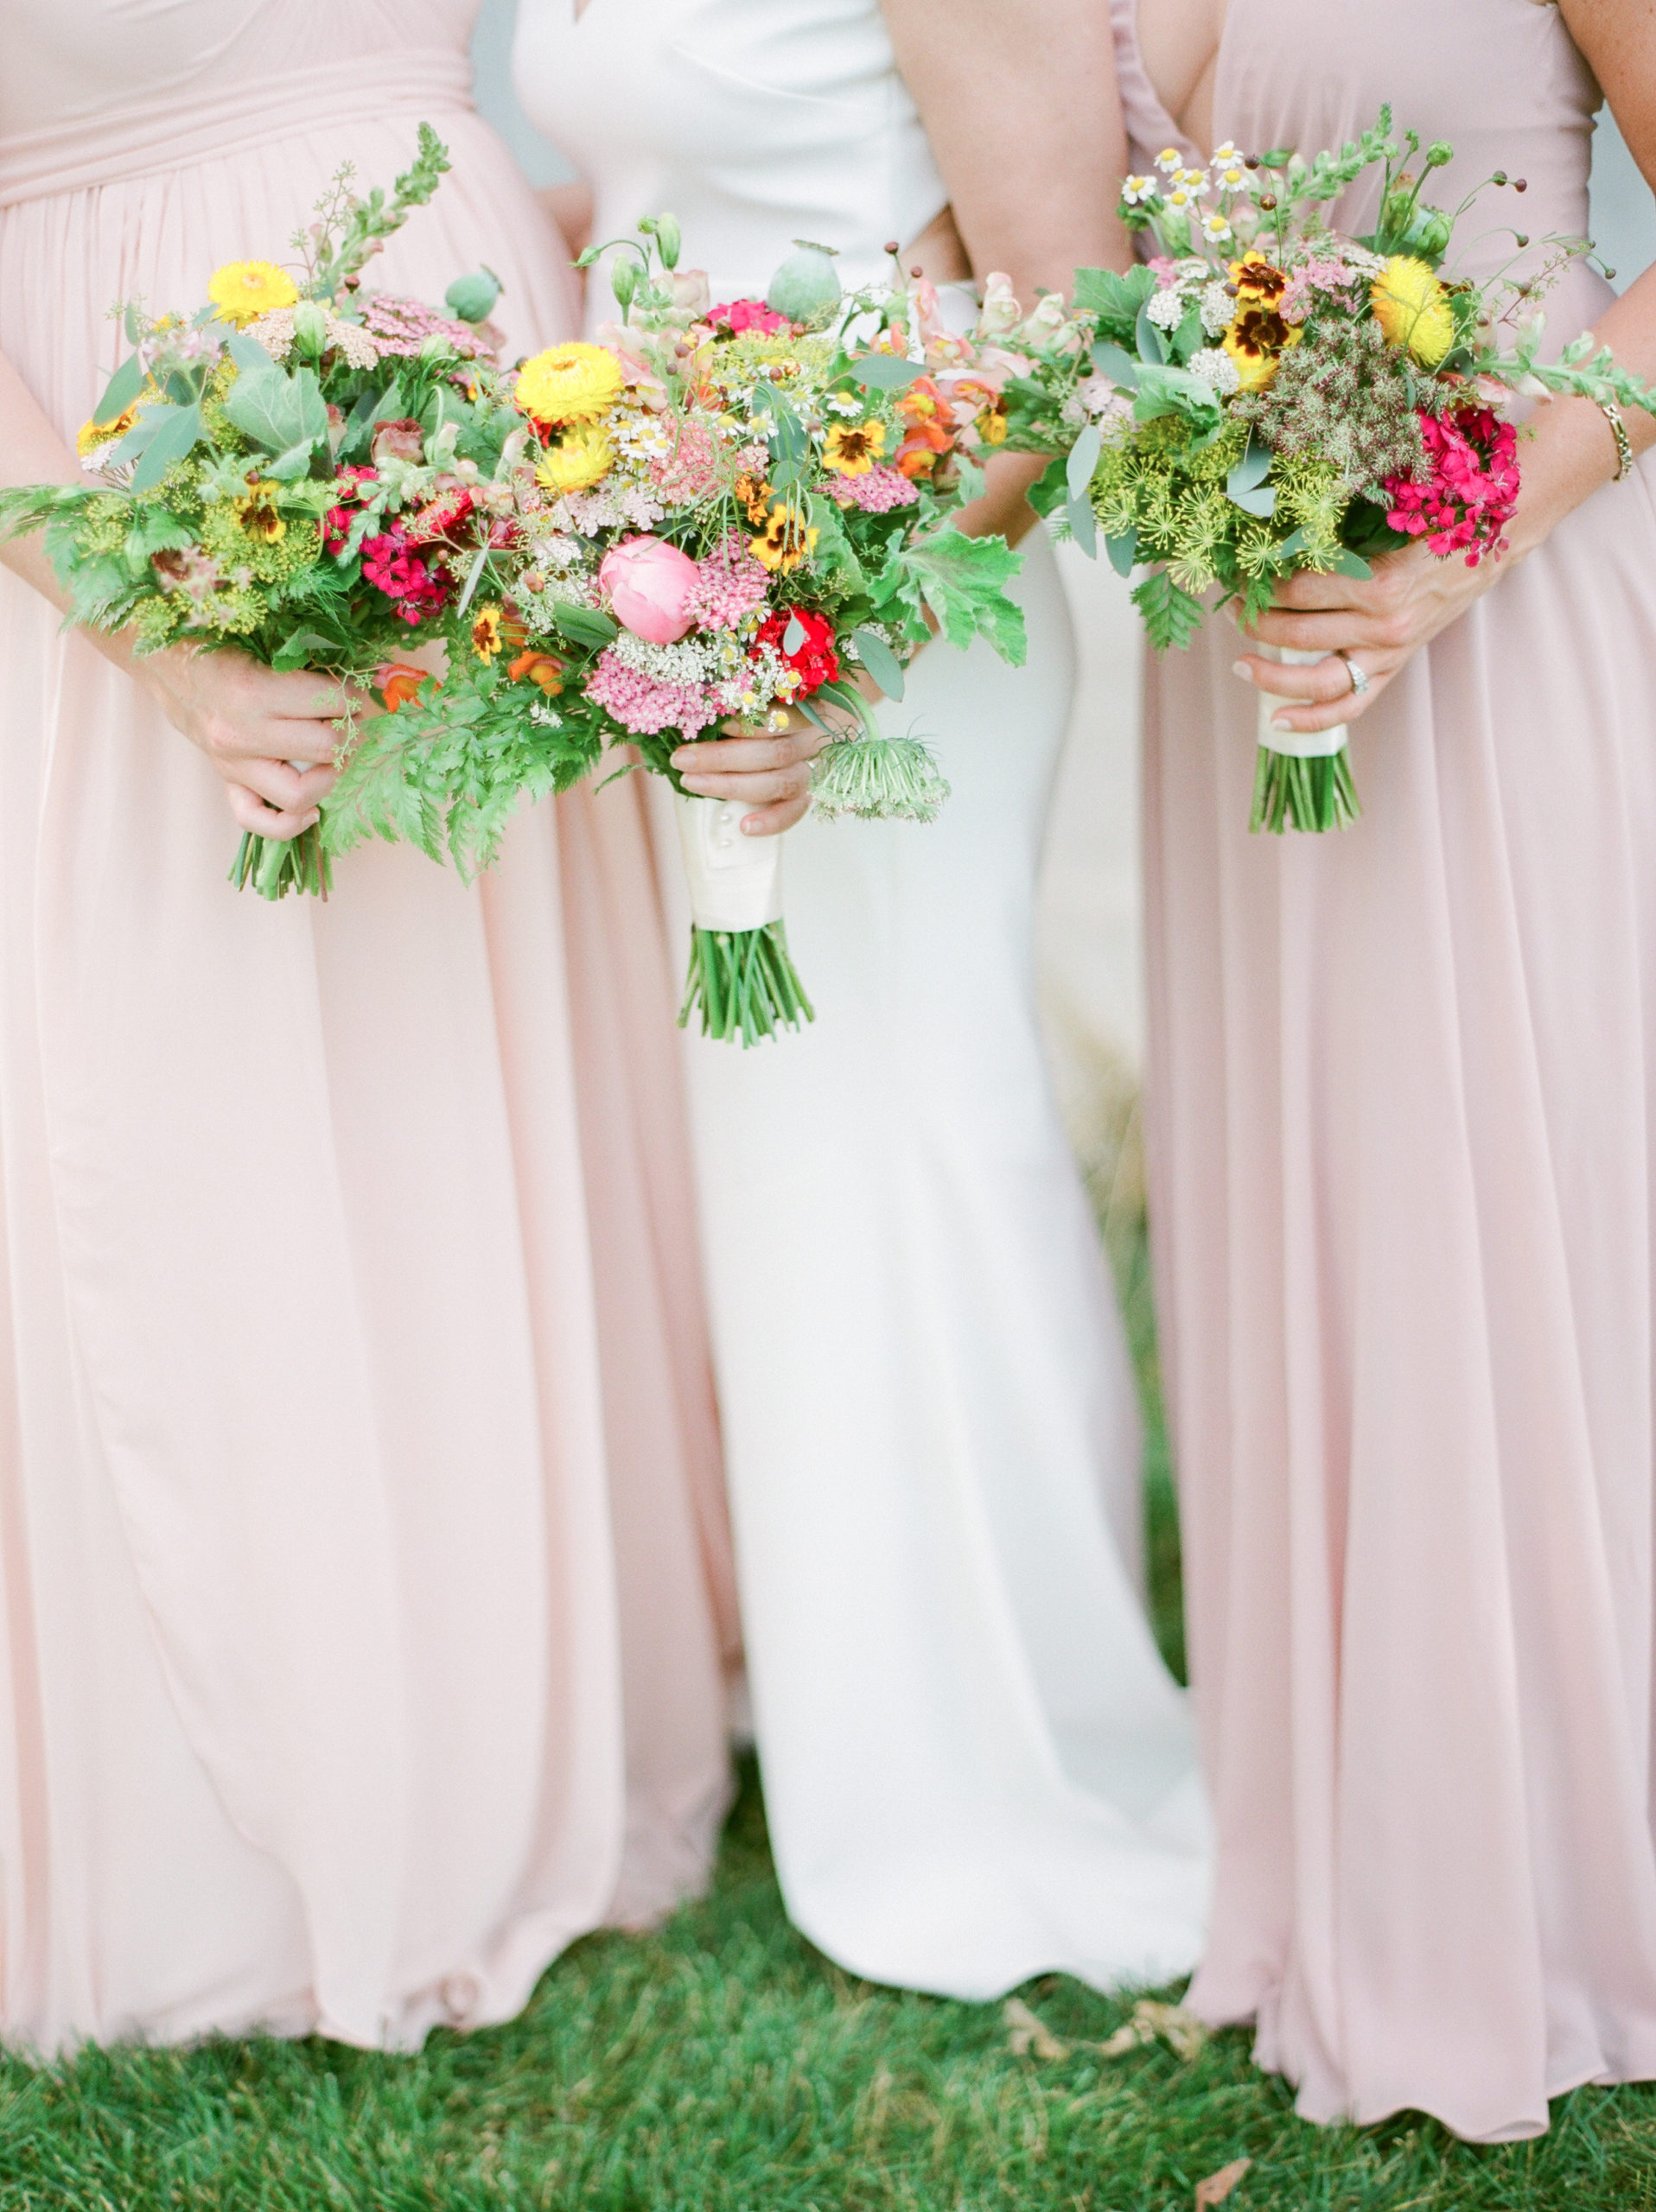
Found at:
(878, 491)
(732, 584)
(644, 704)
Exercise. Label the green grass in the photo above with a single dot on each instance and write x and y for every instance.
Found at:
(723, 2065)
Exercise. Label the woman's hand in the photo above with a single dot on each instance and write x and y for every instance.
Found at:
(769, 770)
(1379, 622)
(254, 723)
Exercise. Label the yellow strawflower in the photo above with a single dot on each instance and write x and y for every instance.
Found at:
(92, 435)
(1413, 309)
(568, 384)
(579, 460)
(243, 290)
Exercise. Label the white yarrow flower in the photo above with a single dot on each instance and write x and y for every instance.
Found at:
(1217, 308)
(1216, 370)
(1167, 309)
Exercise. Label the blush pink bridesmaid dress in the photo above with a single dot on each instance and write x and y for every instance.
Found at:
(1402, 1089)
(364, 1592)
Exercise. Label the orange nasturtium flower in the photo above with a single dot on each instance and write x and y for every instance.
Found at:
(398, 683)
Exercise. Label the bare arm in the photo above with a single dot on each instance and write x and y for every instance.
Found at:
(1572, 455)
(250, 722)
(1019, 100)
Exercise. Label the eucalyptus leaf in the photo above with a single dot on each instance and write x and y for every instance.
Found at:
(794, 636)
(1120, 367)
(880, 661)
(886, 371)
(1262, 503)
(1083, 459)
(1350, 564)
(1147, 335)
(1084, 526)
(147, 427)
(1250, 471)
(171, 442)
(121, 391)
(1122, 546)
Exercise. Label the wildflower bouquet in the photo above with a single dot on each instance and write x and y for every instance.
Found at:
(301, 468)
(720, 512)
(1267, 395)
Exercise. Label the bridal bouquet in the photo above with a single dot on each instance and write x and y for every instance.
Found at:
(721, 512)
(1268, 395)
(302, 469)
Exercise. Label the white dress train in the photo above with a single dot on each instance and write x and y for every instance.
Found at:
(976, 1766)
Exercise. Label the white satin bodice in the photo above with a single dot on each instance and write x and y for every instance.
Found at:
(754, 122)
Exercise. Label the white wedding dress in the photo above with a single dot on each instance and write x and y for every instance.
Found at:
(975, 1767)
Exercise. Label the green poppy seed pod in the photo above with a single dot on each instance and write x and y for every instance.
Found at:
(623, 282)
(471, 299)
(806, 286)
(1430, 233)
(310, 327)
(1439, 154)
(669, 239)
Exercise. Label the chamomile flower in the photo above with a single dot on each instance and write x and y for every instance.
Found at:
(1169, 159)
(1195, 182)
(1215, 227)
(1233, 176)
(1134, 190)
(1227, 156)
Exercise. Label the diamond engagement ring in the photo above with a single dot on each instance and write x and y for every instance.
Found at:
(1359, 679)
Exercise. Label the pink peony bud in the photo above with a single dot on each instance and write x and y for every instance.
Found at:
(652, 586)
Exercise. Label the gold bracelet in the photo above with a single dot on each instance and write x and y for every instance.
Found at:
(1612, 415)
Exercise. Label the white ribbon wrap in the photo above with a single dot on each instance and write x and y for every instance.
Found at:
(735, 882)
(1298, 744)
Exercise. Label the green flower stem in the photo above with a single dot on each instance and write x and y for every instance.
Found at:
(745, 983)
(274, 866)
(1289, 793)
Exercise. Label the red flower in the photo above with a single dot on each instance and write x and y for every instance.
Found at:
(440, 516)
(1473, 490)
(814, 658)
(391, 567)
(739, 315)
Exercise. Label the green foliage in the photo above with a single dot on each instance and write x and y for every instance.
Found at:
(352, 226)
(1171, 616)
(1117, 301)
(447, 771)
(963, 579)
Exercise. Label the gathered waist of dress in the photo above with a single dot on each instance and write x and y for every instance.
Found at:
(198, 124)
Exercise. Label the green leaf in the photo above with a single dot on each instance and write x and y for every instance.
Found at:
(885, 372)
(121, 391)
(1120, 368)
(584, 625)
(171, 442)
(290, 465)
(1122, 546)
(963, 581)
(1084, 526)
(790, 443)
(277, 411)
(1083, 459)
(1251, 470)
(835, 554)
(880, 661)
(1349, 565)
(1148, 338)
(1171, 616)
(300, 648)
(1114, 300)
(1190, 336)
(1169, 391)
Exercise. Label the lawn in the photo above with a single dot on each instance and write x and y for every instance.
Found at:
(723, 2065)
